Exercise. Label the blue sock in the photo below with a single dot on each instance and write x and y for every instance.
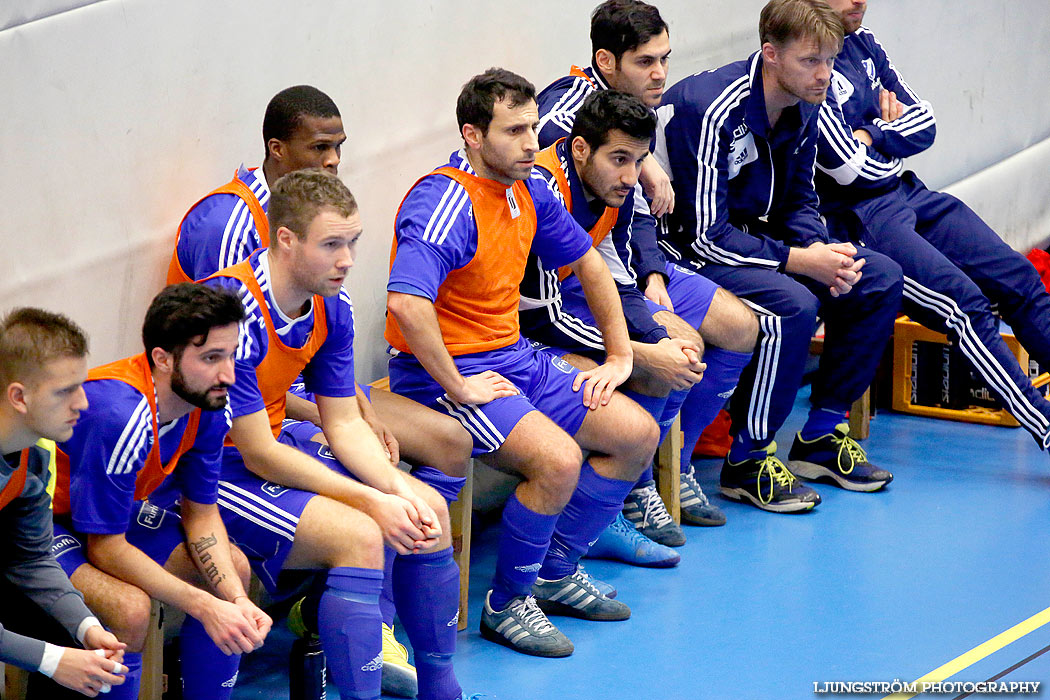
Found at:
(448, 486)
(349, 622)
(206, 671)
(426, 587)
(594, 504)
(822, 421)
(523, 541)
(656, 406)
(744, 447)
(386, 599)
(129, 689)
(675, 400)
(708, 397)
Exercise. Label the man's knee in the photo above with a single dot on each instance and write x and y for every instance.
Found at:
(730, 324)
(882, 278)
(559, 473)
(632, 435)
(449, 448)
(129, 621)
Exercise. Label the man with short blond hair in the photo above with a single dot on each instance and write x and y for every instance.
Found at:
(740, 144)
(43, 364)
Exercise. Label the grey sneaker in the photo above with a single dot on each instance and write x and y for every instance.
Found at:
(523, 627)
(644, 508)
(606, 589)
(576, 596)
(696, 509)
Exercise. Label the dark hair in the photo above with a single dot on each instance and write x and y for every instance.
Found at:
(296, 198)
(782, 21)
(479, 96)
(181, 313)
(30, 338)
(605, 110)
(287, 108)
(619, 26)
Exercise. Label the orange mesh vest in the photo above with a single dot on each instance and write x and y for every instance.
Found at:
(135, 372)
(282, 364)
(548, 160)
(477, 304)
(17, 482)
(236, 187)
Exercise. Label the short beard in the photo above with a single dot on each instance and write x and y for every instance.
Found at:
(200, 399)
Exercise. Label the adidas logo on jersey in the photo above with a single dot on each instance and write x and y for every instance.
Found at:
(375, 664)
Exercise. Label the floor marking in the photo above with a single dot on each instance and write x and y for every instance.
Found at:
(1013, 668)
(979, 652)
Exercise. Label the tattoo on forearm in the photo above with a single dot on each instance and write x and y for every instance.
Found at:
(207, 564)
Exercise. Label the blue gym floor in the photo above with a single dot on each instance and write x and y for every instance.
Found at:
(868, 587)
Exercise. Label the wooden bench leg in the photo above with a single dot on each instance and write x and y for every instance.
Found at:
(460, 513)
(152, 686)
(860, 416)
(669, 470)
(16, 682)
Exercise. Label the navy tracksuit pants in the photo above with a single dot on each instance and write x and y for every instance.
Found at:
(953, 265)
(857, 326)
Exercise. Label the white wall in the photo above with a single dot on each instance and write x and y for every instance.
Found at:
(118, 114)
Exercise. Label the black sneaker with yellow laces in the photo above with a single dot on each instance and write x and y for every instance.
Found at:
(766, 483)
(836, 457)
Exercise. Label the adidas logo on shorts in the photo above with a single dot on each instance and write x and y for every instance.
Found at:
(375, 664)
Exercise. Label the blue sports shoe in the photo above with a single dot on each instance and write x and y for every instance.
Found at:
(621, 541)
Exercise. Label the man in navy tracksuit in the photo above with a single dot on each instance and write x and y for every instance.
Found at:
(630, 49)
(740, 144)
(953, 262)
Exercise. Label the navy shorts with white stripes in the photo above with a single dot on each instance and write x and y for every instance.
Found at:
(575, 329)
(543, 378)
(154, 530)
(261, 516)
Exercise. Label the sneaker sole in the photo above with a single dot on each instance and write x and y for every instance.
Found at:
(494, 636)
(399, 681)
(702, 522)
(744, 495)
(811, 471)
(551, 607)
(643, 563)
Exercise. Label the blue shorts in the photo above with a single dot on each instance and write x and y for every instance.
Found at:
(690, 293)
(154, 530)
(261, 516)
(543, 378)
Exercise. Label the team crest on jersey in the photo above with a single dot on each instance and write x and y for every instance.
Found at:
(150, 516)
(869, 69)
(272, 489)
(562, 365)
(842, 88)
(741, 150)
